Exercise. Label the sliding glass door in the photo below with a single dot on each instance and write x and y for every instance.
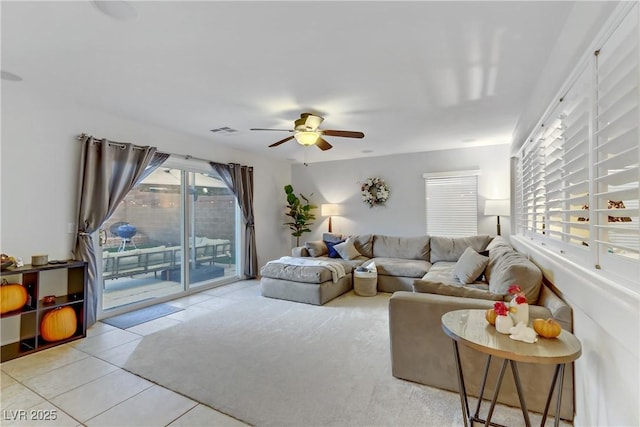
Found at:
(175, 231)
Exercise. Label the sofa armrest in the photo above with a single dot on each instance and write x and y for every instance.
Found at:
(300, 251)
(560, 310)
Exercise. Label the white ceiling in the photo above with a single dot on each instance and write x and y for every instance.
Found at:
(413, 76)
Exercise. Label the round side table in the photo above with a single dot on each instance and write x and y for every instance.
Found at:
(469, 328)
(365, 283)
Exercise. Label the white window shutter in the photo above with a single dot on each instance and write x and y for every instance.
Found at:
(617, 146)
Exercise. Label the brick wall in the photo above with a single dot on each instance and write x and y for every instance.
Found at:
(156, 216)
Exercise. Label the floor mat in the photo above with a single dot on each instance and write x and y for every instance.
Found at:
(127, 320)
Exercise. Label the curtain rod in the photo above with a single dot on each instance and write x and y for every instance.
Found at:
(83, 135)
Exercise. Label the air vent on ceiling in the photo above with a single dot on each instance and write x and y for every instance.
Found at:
(224, 130)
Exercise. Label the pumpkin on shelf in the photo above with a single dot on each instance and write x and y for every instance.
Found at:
(13, 296)
(547, 328)
(491, 315)
(58, 324)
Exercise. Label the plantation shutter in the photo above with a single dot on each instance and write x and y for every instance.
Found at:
(616, 213)
(578, 174)
(566, 170)
(532, 216)
(452, 203)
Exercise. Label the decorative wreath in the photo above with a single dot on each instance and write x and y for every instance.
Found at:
(374, 192)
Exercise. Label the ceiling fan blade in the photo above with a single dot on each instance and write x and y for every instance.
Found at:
(343, 133)
(278, 130)
(323, 145)
(275, 144)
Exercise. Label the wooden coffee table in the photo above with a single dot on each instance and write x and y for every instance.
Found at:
(469, 328)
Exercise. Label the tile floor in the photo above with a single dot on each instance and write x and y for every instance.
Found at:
(81, 383)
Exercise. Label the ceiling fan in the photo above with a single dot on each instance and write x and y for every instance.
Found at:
(306, 132)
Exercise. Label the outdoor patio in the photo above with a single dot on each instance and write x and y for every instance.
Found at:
(142, 287)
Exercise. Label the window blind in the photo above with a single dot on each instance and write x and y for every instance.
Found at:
(451, 205)
(617, 147)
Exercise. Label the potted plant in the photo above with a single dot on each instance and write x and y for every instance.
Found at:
(301, 215)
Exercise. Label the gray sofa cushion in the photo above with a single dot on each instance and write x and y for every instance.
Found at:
(316, 248)
(364, 244)
(507, 267)
(401, 247)
(470, 266)
(439, 288)
(296, 273)
(401, 267)
(332, 237)
(451, 248)
(497, 242)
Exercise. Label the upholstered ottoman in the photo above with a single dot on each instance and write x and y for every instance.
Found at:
(310, 284)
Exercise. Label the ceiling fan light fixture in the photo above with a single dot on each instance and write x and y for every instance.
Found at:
(306, 138)
(313, 122)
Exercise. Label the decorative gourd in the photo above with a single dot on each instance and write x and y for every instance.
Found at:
(491, 315)
(58, 324)
(12, 297)
(547, 328)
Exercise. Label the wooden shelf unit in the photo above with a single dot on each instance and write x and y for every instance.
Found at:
(32, 313)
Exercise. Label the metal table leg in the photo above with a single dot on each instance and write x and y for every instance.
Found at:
(482, 385)
(495, 393)
(463, 391)
(523, 405)
(559, 372)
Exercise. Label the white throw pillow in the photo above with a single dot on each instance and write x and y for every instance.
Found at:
(347, 249)
(470, 266)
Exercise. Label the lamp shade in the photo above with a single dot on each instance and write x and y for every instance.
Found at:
(306, 138)
(329, 209)
(497, 207)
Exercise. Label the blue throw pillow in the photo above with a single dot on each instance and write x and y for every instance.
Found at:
(332, 252)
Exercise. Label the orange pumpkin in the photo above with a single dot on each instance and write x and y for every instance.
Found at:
(491, 315)
(12, 297)
(58, 324)
(547, 328)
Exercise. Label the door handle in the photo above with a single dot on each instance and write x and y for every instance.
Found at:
(102, 237)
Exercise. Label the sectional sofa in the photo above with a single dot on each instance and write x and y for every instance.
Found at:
(429, 276)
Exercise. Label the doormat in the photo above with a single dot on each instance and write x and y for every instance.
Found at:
(133, 318)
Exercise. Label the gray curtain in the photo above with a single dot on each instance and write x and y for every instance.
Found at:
(108, 171)
(240, 180)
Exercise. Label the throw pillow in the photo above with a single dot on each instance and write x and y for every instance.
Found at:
(332, 250)
(470, 265)
(332, 238)
(347, 249)
(316, 248)
(439, 288)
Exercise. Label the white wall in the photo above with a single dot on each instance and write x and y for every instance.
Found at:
(40, 159)
(606, 317)
(404, 212)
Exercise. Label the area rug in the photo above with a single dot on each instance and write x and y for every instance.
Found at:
(270, 362)
(133, 318)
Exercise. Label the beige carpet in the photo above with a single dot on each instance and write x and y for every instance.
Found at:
(277, 363)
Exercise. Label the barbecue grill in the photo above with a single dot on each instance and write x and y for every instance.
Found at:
(126, 233)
